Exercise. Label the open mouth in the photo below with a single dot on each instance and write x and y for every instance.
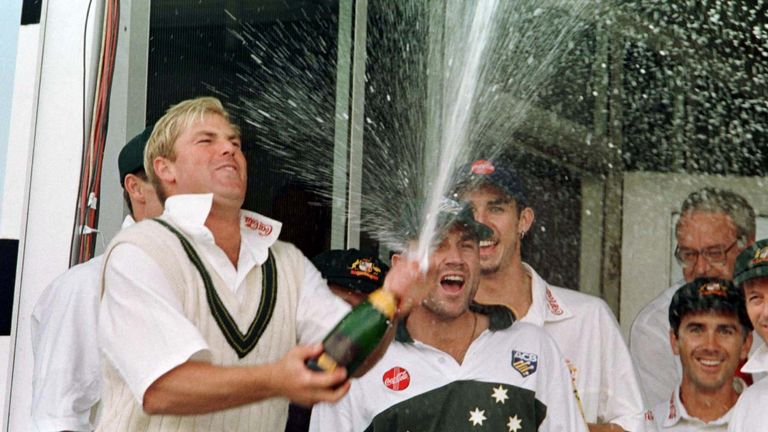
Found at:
(452, 283)
(487, 246)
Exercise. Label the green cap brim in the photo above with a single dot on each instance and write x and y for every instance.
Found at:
(752, 273)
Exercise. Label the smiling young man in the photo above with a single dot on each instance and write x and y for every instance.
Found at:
(751, 275)
(456, 365)
(711, 334)
(583, 326)
(203, 308)
(714, 226)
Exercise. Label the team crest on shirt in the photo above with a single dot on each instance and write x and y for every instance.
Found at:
(524, 362)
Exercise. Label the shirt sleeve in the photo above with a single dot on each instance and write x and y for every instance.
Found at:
(657, 368)
(621, 401)
(319, 309)
(66, 371)
(143, 331)
(557, 391)
(334, 416)
(749, 413)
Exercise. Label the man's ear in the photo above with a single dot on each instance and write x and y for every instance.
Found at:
(746, 347)
(164, 169)
(132, 185)
(525, 221)
(673, 342)
(396, 258)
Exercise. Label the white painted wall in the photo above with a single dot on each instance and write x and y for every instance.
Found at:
(15, 122)
(20, 131)
(52, 179)
(10, 14)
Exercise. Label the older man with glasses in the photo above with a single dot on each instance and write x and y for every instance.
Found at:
(714, 227)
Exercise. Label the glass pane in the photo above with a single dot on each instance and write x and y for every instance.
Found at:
(273, 65)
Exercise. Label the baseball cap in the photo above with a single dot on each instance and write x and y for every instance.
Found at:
(131, 157)
(498, 172)
(751, 263)
(454, 212)
(708, 295)
(351, 269)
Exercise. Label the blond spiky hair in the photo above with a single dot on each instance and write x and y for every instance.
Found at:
(170, 126)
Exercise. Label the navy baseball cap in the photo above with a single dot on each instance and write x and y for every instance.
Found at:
(708, 295)
(131, 157)
(498, 172)
(751, 263)
(352, 269)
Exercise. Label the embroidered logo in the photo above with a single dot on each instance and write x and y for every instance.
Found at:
(260, 227)
(365, 268)
(649, 415)
(672, 409)
(554, 307)
(761, 255)
(483, 167)
(524, 362)
(713, 288)
(396, 379)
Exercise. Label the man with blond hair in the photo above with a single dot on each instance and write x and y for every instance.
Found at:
(203, 307)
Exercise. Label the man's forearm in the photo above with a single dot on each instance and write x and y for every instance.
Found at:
(198, 388)
(606, 427)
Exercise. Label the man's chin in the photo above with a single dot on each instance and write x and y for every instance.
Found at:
(486, 270)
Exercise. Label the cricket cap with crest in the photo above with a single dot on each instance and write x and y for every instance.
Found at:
(752, 263)
(496, 171)
(352, 269)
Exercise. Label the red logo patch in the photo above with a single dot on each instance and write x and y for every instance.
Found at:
(258, 226)
(553, 306)
(396, 379)
(483, 167)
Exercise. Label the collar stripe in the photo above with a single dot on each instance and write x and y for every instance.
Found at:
(241, 343)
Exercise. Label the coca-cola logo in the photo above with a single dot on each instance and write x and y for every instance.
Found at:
(483, 167)
(258, 226)
(397, 379)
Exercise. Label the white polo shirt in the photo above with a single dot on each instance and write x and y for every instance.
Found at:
(751, 411)
(66, 377)
(512, 378)
(672, 416)
(588, 335)
(656, 364)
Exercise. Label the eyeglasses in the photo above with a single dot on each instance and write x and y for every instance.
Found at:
(713, 254)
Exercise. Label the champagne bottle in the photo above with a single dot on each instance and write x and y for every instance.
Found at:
(357, 334)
